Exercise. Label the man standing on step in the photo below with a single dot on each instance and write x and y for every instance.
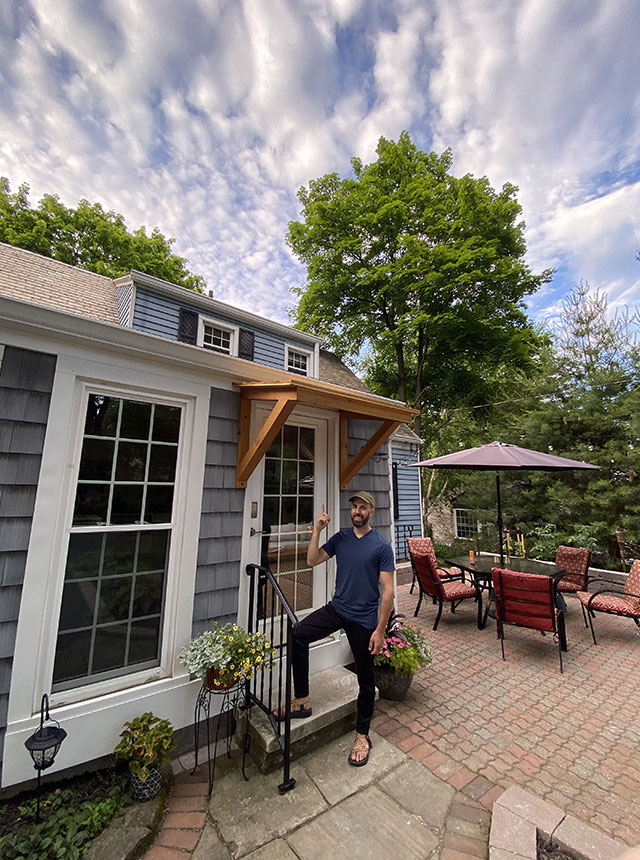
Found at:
(364, 562)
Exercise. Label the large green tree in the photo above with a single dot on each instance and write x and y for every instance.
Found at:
(587, 407)
(420, 273)
(89, 237)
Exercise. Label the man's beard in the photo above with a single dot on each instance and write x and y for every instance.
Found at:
(362, 519)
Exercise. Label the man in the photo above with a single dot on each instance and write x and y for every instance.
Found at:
(364, 560)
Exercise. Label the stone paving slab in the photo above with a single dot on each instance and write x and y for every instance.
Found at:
(366, 825)
(336, 778)
(421, 793)
(250, 814)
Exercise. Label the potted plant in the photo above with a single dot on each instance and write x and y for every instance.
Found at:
(225, 655)
(405, 650)
(146, 742)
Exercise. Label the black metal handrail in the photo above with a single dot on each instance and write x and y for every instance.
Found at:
(270, 608)
(403, 531)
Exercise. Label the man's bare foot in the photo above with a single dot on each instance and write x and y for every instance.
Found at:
(299, 708)
(359, 754)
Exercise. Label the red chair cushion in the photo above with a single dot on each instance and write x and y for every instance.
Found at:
(457, 590)
(575, 561)
(618, 605)
(633, 584)
(527, 598)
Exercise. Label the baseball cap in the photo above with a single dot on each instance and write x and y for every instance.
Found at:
(365, 496)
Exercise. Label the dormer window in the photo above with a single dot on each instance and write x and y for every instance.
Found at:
(298, 361)
(218, 336)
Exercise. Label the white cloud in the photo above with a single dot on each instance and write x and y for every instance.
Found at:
(204, 118)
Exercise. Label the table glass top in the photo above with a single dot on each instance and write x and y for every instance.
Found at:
(485, 563)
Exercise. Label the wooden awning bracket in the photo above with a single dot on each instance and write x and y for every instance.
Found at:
(310, 392)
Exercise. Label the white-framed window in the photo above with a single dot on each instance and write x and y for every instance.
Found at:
(298, 361)
(119, 539)
(465, 523)
(218, 336)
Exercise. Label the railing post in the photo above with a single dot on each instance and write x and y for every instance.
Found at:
(259, 698)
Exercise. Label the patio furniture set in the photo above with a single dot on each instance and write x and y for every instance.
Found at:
(526, 593)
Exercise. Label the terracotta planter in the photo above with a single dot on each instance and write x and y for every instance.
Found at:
(213, 680)
(391, 684)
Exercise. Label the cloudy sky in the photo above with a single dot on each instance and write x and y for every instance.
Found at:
(203, 118)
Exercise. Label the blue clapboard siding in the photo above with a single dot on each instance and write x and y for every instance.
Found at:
(157, 314)
(26, 379)
(219, 545)
(408, 516)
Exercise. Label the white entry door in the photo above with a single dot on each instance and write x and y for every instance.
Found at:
(284, 496)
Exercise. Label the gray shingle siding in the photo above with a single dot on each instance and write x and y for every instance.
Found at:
(374, 476)
(26, 380)
(220, 542)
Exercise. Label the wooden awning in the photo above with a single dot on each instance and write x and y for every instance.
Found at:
(311, 392)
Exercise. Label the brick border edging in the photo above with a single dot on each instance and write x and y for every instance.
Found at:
(518, 817)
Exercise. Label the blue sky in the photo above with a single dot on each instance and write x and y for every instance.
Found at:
(204, 117)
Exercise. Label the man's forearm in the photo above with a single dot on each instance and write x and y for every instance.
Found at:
(314, 556)
(386, 605)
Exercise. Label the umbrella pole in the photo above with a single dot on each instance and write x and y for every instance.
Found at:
(499, 518)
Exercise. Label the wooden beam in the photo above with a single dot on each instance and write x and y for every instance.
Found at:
(244, 437)
(367, 451)
(272, 426)
(344, 453)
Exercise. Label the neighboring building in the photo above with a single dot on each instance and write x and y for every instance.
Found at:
(150, 437)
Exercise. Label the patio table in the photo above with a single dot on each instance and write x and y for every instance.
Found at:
(481, 569)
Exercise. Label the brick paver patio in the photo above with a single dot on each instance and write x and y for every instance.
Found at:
(483, 724)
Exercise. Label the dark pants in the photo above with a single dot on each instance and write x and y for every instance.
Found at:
(322, 623)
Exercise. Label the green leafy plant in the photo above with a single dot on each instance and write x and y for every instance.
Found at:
(146, 741)
(230, 649)
(67, 828)
(405, 648)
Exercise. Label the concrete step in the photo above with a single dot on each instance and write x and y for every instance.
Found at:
(333, 700)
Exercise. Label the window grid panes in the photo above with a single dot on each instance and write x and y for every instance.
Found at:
(466, 527)
(115, 576)
(297, 362)
(217, 339)
(289, 480)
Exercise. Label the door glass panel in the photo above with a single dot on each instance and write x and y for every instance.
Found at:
(289, 477)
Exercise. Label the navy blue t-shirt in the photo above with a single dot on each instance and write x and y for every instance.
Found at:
(359, 562)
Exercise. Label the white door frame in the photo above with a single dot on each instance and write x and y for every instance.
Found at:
(333, 651)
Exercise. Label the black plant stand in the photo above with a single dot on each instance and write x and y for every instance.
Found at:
(231, 699)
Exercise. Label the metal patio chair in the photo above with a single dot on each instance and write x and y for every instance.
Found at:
(447, 589)
(575, 561)
(425, 545)
(529, 600)
(612, 601)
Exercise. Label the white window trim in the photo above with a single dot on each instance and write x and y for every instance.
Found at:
(94, 712)
(310, 354)
(225, 326)
(455, 524)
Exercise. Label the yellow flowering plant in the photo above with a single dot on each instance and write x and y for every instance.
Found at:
(235, 653)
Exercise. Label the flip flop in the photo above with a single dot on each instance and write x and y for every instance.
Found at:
(358, 742)
(297, 713)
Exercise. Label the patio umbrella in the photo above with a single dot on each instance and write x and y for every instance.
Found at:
(502, 456)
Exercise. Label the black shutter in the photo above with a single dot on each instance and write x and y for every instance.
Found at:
(246, 340)
(188, 326)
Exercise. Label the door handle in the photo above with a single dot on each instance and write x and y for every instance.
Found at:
(253, 532)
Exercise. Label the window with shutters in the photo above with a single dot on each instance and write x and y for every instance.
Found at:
(218, 336)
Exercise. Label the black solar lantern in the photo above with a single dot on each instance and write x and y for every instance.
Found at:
(44, 743)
